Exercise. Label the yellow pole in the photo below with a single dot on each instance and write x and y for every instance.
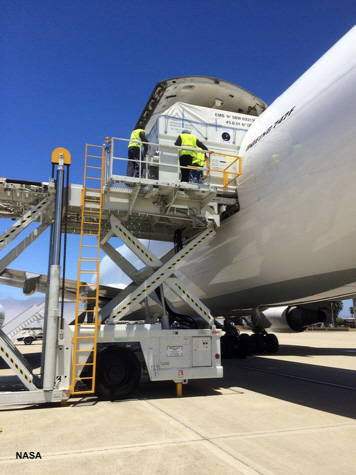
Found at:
(179, 389)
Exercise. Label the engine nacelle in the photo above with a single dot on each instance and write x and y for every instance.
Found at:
(296, 319)
(31, 282)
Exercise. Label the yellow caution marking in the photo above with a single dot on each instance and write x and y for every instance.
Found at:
(134, 243)
(162, 274)
(193, 301)
(23, 220)
(15, 365)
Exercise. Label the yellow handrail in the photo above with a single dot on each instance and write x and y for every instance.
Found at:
(225, 172)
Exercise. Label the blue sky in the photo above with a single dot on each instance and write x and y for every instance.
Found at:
(76, 71)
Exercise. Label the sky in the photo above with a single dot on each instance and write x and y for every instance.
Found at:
(77, 71)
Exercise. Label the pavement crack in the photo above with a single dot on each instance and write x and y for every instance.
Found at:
(245, 465)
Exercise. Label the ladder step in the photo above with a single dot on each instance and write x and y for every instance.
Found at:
(92, 200)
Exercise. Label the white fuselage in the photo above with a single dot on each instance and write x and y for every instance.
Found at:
(295, 235)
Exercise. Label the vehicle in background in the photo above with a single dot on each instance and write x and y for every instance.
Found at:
(30, 336)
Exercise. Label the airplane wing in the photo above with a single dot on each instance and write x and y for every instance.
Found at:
(31, 283)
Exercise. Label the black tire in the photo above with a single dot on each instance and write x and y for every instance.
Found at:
(28, 340)
(257, 343)
(118, 373)
(228, 345)
(272, 343)
(244, 346)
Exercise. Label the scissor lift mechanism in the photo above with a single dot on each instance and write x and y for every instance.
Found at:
(168, 353)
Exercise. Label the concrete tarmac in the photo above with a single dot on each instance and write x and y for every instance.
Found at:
(289, 413)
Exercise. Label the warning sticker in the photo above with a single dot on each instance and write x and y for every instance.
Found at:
(174, 351)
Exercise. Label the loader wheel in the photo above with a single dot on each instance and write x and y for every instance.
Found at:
(118, 373)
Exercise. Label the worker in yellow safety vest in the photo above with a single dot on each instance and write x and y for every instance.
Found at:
(138, 147)
(186, 140)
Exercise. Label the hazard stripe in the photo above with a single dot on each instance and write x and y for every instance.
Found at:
(134, 243)
(15, 365)
(193, 301)
(18, 225)
(157, 278)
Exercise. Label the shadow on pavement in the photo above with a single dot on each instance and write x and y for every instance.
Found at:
(264, 375)
(286, 350)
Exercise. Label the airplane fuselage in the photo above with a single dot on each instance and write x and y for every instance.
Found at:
(294, 237)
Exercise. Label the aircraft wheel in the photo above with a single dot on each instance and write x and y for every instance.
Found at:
(118, 373)
(272, 343)
(227, 344)
(244, 347)
(257, 343)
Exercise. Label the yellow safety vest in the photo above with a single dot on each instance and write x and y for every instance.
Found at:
(135, 139)
(188, 141)
(199, 159)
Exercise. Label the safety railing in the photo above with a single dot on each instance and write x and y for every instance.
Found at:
(226, 172)
(161, 164)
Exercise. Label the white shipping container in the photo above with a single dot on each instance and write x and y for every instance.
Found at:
(221, 131)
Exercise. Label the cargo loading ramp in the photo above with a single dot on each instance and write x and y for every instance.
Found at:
(153, 206)
(156, 204)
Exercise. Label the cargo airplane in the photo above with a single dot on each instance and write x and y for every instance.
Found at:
(289, 247)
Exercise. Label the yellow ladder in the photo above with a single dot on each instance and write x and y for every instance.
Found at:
(85, 333)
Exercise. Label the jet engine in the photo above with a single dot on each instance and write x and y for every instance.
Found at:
(286, 319)
(31, 282)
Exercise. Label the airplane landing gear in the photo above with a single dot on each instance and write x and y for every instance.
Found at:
(257, 343)
(229, 340)
(242, 345)
(263, 341)
(272, 343)
(233, 343)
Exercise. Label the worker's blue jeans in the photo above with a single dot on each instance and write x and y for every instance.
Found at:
(133, 165)
(196, 176)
